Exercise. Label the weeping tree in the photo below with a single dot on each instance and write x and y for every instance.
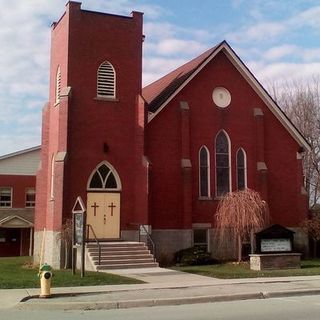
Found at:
(240, 213)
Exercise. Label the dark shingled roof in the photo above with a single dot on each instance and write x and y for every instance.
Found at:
(159, 91)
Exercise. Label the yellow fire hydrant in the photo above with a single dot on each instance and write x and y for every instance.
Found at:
(45, 275)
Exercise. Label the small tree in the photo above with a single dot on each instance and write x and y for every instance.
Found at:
(241, 213)
(300, 101)
(66, 239)
(311, 227)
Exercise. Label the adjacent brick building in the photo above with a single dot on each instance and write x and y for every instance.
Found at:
(17, 201)
(162, 156)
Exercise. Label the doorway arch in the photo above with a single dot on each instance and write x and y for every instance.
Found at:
(103, 202)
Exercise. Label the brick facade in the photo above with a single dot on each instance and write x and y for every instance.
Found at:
(156, 160)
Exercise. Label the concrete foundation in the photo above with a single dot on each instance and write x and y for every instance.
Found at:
(226, 250)
(52, 248)
(169, 241)
(129, 235)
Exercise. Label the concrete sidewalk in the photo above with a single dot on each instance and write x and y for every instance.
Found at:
(164, 287)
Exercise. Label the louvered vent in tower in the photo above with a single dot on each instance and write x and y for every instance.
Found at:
(106, 80)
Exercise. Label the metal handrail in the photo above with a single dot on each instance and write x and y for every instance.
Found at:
(148, 238)
(89, 226)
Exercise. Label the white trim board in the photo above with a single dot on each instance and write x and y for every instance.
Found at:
(254, 83)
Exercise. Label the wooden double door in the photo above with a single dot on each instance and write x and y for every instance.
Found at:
(103, 214)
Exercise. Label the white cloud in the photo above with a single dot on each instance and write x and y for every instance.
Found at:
(280, 72)
(262, 31)
(171, 46)
(279, 52)
(156, 67)
(159, 30)
(311, 54)
(309, 17)
(266, 30)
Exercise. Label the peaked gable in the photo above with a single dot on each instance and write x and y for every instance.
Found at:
(23, 162)
(159, 91)
(162, 91)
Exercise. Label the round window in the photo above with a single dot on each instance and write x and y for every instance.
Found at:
(221, 97)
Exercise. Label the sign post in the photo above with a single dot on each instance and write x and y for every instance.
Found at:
(79, 234)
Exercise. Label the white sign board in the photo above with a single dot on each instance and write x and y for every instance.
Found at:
(275, 245)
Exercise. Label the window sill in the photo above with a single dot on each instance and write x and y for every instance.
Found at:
(106, 99)
(205, 199)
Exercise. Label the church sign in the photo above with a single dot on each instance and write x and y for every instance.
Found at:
(79, 230)
(274, 239)
(274, 249)
(275, 245)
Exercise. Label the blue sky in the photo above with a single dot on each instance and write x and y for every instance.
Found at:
(277, 39)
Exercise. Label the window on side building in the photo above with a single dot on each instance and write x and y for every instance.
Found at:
(30, 197)
(200, 238)
(6, 197)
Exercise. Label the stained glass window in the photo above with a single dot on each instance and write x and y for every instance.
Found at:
(222, 164)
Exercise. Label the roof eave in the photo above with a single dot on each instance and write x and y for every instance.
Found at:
(254, 83)
(20, 152)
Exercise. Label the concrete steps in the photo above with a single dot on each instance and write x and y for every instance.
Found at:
(120, 255)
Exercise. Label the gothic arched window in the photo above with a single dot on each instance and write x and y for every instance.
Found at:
(223, 174)
(104, 177)
(241, 169)
(204, 172)
(106, 80)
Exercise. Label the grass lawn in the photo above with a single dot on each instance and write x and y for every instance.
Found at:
(18, 272)
(234, 271)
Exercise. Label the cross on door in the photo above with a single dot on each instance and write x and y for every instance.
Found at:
(112, 206)
(95, 206)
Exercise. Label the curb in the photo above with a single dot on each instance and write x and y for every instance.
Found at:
(126, 304)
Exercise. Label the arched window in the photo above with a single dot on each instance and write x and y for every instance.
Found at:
(104, 177)
(223, 174)
(58, 85)
(106, 80)
(204, 172)
(241, 169)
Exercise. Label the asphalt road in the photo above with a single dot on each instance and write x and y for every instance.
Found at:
(291, 308)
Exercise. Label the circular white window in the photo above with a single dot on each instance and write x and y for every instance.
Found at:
(221, 97)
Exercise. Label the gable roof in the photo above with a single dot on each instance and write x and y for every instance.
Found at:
(17, 217)
(23, 162)
(159, 93)
(20, 152)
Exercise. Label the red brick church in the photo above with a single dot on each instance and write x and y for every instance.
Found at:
(160, 156)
